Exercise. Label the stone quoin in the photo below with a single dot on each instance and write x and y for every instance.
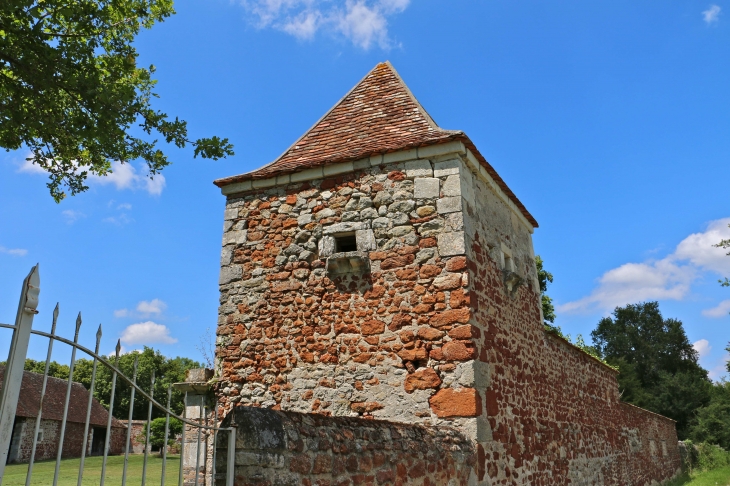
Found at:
(378, 285)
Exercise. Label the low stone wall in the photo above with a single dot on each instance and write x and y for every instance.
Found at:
(277, 448)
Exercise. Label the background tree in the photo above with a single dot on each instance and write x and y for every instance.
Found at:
(544, 278)
(712, 423)
(658, 366)
(157, 431)
(71, 90)
(167, 371)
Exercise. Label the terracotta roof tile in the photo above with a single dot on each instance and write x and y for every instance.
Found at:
(30, 397)
(379, 115)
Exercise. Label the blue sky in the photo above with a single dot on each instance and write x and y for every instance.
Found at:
(610, 121)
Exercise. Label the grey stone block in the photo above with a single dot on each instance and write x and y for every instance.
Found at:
(345, 227)
(450, 244)
(365, 240)
(452, 186)
(426, 188)
(418, 168)
(304, 219)
(229, 274)
(448, 205)
(226, 255)
(404, 206)
(230, 213)
(325, 213)
(326, 246)
(445, 168)
(235, 237)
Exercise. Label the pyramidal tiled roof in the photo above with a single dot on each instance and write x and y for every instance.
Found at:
(379, 115)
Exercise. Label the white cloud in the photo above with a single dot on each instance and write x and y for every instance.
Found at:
(13, 251)
(363, 22)
(31, 168)
(126, 206)
(721, 310)
(122, 176)
(699, 248)
(712, 14)
(702, 347)
(120, 220)
(147, 333)
(156, 185)
(154, 306)
(669, 278)
(145, 308)
(71, 216)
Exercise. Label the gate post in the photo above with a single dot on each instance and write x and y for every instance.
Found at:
(197, 458)
(16, 361)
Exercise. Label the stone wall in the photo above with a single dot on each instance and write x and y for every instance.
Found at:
(296, 333)
(279, 448)
(407, 292)
(552, 413)
(47, 447)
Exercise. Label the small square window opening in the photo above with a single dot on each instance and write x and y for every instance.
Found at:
(345, 243)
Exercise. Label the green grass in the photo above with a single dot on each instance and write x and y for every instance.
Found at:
(43, 471)
(714, 477)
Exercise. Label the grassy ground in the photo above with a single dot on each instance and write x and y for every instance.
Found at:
(43, 471)
(715, 477)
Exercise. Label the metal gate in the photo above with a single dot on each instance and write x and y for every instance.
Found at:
(11, 386)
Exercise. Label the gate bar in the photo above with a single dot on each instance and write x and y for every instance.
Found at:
(29, 474)
(16, 360)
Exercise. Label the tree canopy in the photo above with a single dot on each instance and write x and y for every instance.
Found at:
(167, 371)
(71, 90)
(658, 366)
(545, 278)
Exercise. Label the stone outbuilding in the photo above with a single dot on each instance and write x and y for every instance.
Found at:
(381, 269)
(49, 433)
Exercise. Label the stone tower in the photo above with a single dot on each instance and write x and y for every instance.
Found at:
(381, 268)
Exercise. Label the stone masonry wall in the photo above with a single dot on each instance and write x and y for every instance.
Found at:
(297, 334)
(434, 319)
(47, 448)
(295, 449)
(553, 414)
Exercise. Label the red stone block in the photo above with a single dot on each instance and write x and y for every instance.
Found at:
(396, 261)
(422, 379)
(429, 271)
(451, 317)
(430, 334)
(372, 327)
(462, 402)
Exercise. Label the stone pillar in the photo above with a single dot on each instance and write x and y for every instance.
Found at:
(198, 406)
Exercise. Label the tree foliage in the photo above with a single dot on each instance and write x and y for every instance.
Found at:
(71, 90)
(712, 423)
(545, 278)
(658, 366)
(157, 431)
(167, 371)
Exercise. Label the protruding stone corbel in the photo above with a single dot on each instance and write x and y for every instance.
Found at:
(512, 281)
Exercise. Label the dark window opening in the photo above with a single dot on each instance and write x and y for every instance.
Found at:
(345, 243)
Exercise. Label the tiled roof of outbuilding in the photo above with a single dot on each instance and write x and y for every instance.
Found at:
(379, 115)
(30, 397)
